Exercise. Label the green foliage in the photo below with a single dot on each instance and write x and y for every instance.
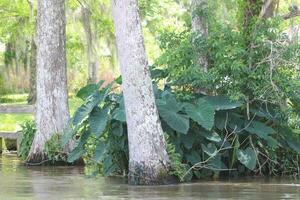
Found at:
(247, 157)
(205, 133)
(169, 110)
(178, 169)
(203, 113)
(257, 66)
(54, 150)
(242, 127)
(100, 130)
(28, 131)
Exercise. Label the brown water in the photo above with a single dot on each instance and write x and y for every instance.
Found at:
(18, 182)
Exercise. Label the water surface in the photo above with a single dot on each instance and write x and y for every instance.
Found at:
(18, 182)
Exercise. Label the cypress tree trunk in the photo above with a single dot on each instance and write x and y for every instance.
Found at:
(52, 114)
(148, 158)
(200, 27)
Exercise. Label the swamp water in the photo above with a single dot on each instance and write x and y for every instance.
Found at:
(18, 182)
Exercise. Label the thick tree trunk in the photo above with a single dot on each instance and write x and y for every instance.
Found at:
(200, 27)
(148, 158)
(91, 46)
(52, 114)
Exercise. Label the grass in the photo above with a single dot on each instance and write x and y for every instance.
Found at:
(13, 99)
(12, 122)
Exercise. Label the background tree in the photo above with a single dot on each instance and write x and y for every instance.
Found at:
(148, 159)
(200, 27)
(32, 60)
(91, 43)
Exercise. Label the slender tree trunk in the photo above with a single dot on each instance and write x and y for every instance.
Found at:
(268, 9)
(148, 158)
(200, 28)
(52, 114)
(32, 60)
(17, 58)
(32, 90)
(91, 46)
(8, 59)
(25, 57)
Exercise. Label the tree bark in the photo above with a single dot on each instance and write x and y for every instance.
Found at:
(148, 158)
(268, 9)
(200, 27)
(91, 45)
(52, 114)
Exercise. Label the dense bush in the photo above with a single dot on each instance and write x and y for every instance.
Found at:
(206, 134)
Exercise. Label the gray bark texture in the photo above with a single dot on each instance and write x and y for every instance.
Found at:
(268, 9)
(52, 113)
(148, 158)
(200, 27)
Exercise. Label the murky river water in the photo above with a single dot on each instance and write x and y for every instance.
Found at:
(18, 182)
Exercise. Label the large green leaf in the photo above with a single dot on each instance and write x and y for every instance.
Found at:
(222, 103)
(76, 153)
(193, 157)
(117, 129)
(260, 129)
(84, 110)
(212, 136)
(210, 149)
(272, 142)
(99, 151)
(68, 135)
(216, 163)
(109, 166)
(294, 144)
(188, 140)
(178, 122)
(98, 120)
(119, 113)
(203, 113)
(291, 138)
(79, 150)
(88, 90)
(169, 111)
(247, 157)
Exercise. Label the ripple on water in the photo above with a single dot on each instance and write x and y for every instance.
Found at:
(18, 182)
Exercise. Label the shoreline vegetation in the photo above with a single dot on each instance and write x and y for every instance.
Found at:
(156, 91)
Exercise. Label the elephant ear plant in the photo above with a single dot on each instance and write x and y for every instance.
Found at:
(205, 135)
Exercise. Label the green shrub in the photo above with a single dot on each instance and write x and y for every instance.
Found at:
(28, 131)
(54, 149)
(207, 134)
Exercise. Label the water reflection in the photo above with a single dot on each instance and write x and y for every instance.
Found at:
(19, 182)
